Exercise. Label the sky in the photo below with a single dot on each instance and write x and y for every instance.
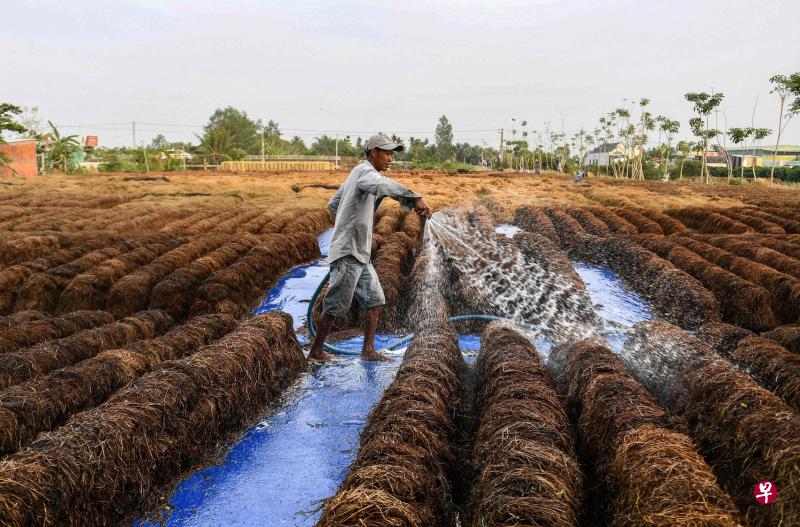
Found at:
(354, 67)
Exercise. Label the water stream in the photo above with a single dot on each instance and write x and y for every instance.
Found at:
(283, 467)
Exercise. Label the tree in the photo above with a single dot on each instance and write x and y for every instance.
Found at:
(61, 147)
(444, 139)
(243, 132)
(669, 128)
(159, 142)
(784, 87)
(684, 147)
(325, 145)
(759, 134)
(297, 146)
(739, 137)
(32, 122)
(216, 142)
(646, 124)
(8, 124)
(704, 104)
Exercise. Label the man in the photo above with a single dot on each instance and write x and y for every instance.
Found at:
(353, 207)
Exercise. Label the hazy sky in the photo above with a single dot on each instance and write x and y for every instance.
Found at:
(357, 67)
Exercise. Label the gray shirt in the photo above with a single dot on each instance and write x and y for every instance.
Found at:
(354, 206)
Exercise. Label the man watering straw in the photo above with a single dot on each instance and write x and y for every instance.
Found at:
(353, 207)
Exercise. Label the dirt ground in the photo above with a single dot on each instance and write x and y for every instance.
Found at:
(502, 192)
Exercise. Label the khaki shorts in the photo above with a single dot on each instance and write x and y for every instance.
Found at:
(350, 278)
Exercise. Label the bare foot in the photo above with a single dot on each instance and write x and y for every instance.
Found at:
(320, 355)
(374, 356)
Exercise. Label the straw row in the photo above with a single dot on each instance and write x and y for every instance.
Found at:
(103, 464)
(745, 432)
(131, 293)
(37, 360)
(707, 220)
(616, 224)
(784, 289)
(641, 467)
(400, 474)
(89, 290)
(757, 224)
(742, 302)
(176, 292)
(769, 363)
(42, 291)
(524, 458)
(754, 251)
(237, 288)
(35, 331)
(44, 403)
(534, 219)
(676, 295)
(787, 336)
(643, 224)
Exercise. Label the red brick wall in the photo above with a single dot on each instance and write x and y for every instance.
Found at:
(22, 156)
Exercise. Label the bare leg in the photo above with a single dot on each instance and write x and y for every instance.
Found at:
(323, 330)
(368, 351)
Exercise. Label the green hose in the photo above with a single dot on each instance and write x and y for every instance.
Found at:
(393, 345)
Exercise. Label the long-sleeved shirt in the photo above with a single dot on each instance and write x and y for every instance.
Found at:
(353, 206)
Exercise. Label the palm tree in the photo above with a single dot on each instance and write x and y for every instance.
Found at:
(216, 142)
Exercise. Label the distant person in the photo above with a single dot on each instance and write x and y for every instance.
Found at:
(353, 207)
(578, 176)
(537, 167)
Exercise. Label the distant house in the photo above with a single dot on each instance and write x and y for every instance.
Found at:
(762, 156)
(714, 158)
(21, 158)
(606, 153)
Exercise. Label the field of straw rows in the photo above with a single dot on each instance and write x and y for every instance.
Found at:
(128, 354)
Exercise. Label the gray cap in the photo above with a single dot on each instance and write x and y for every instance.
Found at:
(383, 142)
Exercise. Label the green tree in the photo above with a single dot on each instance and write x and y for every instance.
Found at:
(704, 104)
(684, 148)
(418, 149)
(61, 147)
(216, 143)
(243, 133)
(669, 128)
(297, 146)
(444, 139)
(325, 145)
(739, 137)
(784, 87)
(8, 124)
(159, 142)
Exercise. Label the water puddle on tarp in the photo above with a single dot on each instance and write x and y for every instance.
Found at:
(282, 468)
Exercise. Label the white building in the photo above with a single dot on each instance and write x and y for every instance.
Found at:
(606, 153)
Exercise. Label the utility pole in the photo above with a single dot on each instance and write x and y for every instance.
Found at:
(336, 155)
(262, 145)
(501, 149)
(133, 131)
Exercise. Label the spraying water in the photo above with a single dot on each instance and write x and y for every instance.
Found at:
(488, 274)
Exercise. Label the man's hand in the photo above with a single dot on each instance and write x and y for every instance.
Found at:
(422, 208)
